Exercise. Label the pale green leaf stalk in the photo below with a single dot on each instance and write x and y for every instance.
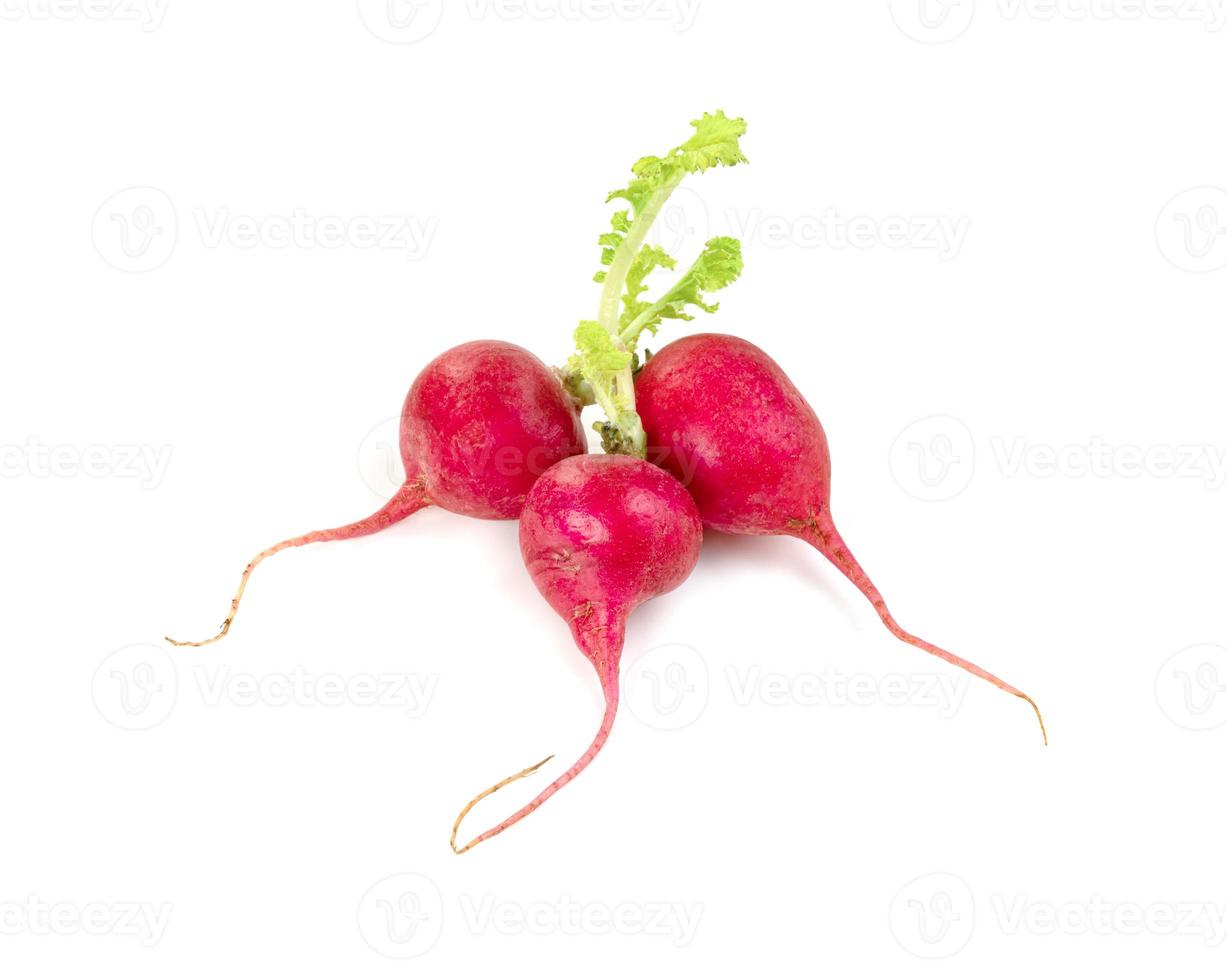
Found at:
(603, 369)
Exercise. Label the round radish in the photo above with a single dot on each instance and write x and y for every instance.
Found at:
(481, 423)
(601, 535)
(724, 418)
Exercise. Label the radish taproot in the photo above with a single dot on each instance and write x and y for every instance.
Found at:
(600, 536)
(480, 424)
(721, 415)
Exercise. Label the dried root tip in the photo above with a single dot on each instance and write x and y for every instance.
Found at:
(1036, 708)
(819, 530)
(234, 605)
(409, 499)
(238, 596)
(201, 643)
(481, 796)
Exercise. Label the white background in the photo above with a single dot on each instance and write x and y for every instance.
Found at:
(1061, 521)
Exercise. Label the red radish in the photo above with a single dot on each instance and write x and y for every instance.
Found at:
(601, 535)
(721, 415)
(481, 423)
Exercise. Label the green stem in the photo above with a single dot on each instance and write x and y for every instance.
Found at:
(624, 257)
(630, 336)
(619, 401)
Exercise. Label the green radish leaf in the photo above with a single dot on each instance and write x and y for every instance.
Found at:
(718, 266)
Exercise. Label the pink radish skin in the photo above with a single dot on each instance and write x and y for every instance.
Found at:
(601, 535)
(722, 416)
(481, 423)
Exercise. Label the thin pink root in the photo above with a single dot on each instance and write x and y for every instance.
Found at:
(409, 499)
(611, 709)
(820, 531)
